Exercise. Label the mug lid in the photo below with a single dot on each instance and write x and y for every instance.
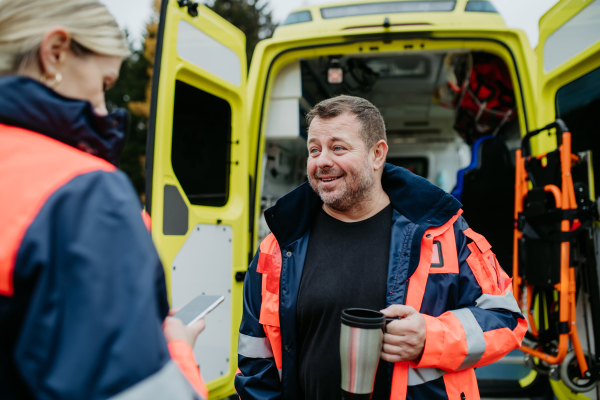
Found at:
(363, 318)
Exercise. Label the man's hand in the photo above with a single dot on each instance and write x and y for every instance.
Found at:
(174, 329)
(404, 339)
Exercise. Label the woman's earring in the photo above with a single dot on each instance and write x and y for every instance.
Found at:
(55, 82)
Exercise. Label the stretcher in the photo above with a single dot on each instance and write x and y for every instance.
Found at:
(554, 259)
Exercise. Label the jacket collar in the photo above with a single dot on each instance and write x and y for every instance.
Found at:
(412, 196)
(31, 105)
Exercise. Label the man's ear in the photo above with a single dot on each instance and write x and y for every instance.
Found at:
(380, 150)
(54, 49)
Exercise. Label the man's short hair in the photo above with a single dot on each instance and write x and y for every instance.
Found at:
(371, 128)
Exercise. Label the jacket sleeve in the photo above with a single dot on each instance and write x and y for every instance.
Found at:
(487, 323)
(257, 377)
(93, 325)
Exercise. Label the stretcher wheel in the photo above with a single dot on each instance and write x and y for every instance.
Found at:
(571, 375)
(536, 364)
(531, 362)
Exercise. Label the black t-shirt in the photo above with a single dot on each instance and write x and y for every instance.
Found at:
(346, 266)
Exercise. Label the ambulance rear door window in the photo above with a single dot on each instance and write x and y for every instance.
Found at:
(200, 153)
(578, 105)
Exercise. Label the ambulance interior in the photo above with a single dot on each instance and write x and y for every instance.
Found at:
(419, 95)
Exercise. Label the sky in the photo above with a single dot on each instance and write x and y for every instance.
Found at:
(522, 14)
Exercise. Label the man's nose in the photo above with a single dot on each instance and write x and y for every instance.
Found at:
(324, 160)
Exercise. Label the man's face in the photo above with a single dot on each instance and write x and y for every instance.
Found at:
(339, 166)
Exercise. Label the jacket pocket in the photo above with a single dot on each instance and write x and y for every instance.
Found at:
(461, 385)
(484, 264)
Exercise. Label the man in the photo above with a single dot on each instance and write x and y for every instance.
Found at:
(364, 234)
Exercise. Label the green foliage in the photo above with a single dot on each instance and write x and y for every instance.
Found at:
(131, 86)
(247, 15)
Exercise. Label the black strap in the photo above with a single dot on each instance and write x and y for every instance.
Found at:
(563, 328)
(555, 216)
(531, 234)
(570, 215)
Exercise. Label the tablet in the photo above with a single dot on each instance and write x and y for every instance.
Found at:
(198, 308)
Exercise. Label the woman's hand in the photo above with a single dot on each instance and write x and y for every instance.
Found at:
(174, 329)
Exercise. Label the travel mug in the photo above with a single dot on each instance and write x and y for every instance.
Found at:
(361, 339)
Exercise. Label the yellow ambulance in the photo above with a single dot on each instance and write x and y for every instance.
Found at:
(225, 143)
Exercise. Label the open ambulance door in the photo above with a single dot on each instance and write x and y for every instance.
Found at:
(197, 174)
(568, 75)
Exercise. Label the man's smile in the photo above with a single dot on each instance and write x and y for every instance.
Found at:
(327, 179)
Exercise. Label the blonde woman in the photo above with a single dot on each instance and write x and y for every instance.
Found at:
(82, 292)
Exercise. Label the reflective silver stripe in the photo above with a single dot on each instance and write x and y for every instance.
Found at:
(475, 339)
(421, 375)
(168, 383)
(280, 372)
(254, 347)
(506, 302)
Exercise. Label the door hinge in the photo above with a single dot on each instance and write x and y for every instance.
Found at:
(192, 6)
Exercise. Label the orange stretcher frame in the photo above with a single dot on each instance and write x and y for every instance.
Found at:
(565, 200)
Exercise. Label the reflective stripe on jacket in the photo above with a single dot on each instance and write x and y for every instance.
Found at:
(436, 265)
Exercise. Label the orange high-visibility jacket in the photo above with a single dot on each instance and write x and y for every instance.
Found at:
(82, 290)
(437, 265)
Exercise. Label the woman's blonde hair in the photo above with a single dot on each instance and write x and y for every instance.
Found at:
(23, 24)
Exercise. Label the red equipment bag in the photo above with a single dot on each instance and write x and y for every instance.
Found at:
(486, 100)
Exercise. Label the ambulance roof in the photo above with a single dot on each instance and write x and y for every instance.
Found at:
(352, 16)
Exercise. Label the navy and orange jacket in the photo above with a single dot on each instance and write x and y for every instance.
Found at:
(437, 265)
(82, 290)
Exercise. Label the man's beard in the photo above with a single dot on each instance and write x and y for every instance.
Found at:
(354, 191)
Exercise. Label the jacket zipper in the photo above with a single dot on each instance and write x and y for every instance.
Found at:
(405, 292)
